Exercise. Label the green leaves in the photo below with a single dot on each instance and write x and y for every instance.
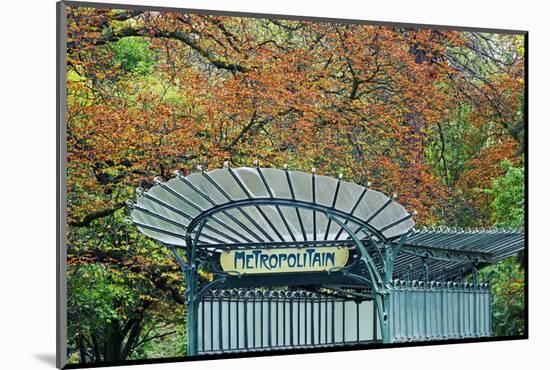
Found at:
(509, 202)
(508, 305)
(132, 54)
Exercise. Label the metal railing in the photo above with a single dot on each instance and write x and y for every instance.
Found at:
(439, 310)
(237, 320)
(252, 320)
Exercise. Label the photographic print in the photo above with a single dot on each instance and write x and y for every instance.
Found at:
(246, 184)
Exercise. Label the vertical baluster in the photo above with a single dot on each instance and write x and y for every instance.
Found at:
(220, 321)
(238, 318)
(305, 318)
(312, 338)
(284, 320)
(326, 319)
(262, 300)
(476, 307)
(343, 320)
(459, 305)
(229, 321)
(254, 319)
(332, 321)
(357, 320)
(269, 320)
(277, 299)
(212, 323)
(299, 341)
(375, 320)
(291, 321)
(319, 319)
(407, 308)
(426, 308)
(442, 312)
(202, 324)
(245, 314)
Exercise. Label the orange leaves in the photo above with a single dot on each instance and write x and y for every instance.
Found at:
(482, 169)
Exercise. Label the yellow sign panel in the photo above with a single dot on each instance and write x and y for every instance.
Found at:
(284, 260)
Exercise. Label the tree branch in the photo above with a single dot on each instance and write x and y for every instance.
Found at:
(176, 35)
(145, 339)
(97, 214)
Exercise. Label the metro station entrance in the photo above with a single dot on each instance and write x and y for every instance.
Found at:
(298, 260)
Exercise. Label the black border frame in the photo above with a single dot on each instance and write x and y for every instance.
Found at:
(61, 194)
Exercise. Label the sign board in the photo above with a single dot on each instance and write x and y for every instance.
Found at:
(284, 260)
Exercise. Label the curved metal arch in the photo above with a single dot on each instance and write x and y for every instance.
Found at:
(374, 274)
(376, 279)
(280, 202)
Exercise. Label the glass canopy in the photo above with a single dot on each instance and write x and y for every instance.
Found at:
(264, 205)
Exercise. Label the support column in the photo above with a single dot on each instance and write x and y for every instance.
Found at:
(192, 301)
(192, 287)
(191, 283)
(379, 283)
(383, 297)
(383, 306)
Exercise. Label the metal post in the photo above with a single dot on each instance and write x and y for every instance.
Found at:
(380, 285)
(490, 303)
(374, 321)
(191, 284)
(191, 280)
(383, 304)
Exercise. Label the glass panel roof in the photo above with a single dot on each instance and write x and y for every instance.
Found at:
(452, 251)
(168, 208)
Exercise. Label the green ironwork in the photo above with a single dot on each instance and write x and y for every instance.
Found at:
(404, 273)
(375, 277)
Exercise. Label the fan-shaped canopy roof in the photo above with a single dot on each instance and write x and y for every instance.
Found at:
(264, 205)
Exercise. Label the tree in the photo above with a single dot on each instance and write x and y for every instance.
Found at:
(508, 305)
(120, 286)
